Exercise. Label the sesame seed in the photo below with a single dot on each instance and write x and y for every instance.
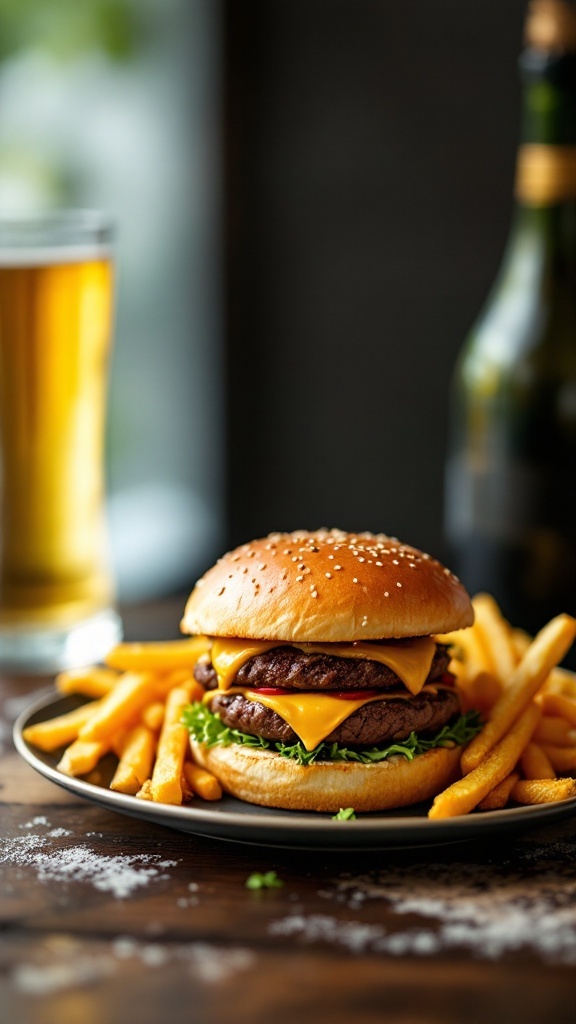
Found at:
(337, 567)
(380, 563)
(295, 558)
(386, 594)
(354, 580)
(330, 556)
(299, 579)
(314, 593)
(221, 591)
(395, 561)
(412, 565)
(262, 565)
(360, 559)
(328, 575)
(398, 584)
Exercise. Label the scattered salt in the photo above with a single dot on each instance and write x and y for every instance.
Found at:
(117, 874)
(67, 965)
(488, 909)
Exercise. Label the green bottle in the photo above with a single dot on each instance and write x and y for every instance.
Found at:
(510, 501)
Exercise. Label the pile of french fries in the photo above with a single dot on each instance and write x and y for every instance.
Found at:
(135, 713)
(525, 752)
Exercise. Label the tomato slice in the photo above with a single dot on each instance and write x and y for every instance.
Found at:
(355, 694)
(280, 691)
(272, 691)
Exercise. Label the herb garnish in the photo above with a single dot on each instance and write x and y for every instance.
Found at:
(208, 729)
(345, 814)
(266, 880)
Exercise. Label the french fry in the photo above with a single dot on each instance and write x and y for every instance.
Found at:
(82, 756)
(543, 791)
(158, 656)
(465, 794)
(554, 729)
(479, 693)
(547, 648)
(561, 681)
(557, 704)
(184, 677)
(153, 715)
(535, 763)
(62, 730)
(144, 793)
(563, 759)
(202, 781)
(90, 682)
(500, 795)
(123, 704)
(136, 759)
(495, 634)
(521, 641)
(166, 782)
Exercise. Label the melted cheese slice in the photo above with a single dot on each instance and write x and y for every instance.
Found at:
(411, 662)
(314, 715)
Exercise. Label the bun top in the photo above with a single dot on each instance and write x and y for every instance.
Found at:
(326, 586)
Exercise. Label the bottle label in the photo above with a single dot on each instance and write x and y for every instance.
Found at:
(545, 174)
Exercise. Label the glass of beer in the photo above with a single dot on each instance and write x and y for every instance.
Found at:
(56, 301)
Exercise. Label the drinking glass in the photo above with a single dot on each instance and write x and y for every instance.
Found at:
(56, 302)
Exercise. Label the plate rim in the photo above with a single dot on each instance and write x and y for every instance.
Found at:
(384, 827)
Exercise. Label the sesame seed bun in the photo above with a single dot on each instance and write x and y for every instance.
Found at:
(271, 780)
(326, 586)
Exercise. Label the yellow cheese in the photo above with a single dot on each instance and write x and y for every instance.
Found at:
(312, 715)
(410, 661)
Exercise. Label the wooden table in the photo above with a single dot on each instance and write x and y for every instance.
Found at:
(108, 920)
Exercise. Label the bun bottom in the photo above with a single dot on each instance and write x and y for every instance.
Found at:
(271, 780)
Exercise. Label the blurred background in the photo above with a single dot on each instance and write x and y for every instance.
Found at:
(312, 201)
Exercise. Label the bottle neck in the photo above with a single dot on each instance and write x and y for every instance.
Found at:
(546, 166)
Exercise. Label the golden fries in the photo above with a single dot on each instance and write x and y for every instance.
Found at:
(500, 795)
(121, 706)
(82, 756)
(142, 692)
(495, 636)
(90, 682)
(136, 760)
(157, 657)
(547, 648)
(543, 791)
(555, 729)
(166, 782)
(62, 730)
(535, 763)
(465, 794)
(202, 781)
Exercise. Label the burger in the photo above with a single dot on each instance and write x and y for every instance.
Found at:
(324, 685)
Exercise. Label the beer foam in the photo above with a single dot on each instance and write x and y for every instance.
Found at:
(46, 256)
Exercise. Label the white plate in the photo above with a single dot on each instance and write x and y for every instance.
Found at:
(234, 820)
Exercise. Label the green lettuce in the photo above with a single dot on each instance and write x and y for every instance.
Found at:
(207, 728)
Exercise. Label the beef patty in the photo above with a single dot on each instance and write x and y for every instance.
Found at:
(287, 666)
(375, 723)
